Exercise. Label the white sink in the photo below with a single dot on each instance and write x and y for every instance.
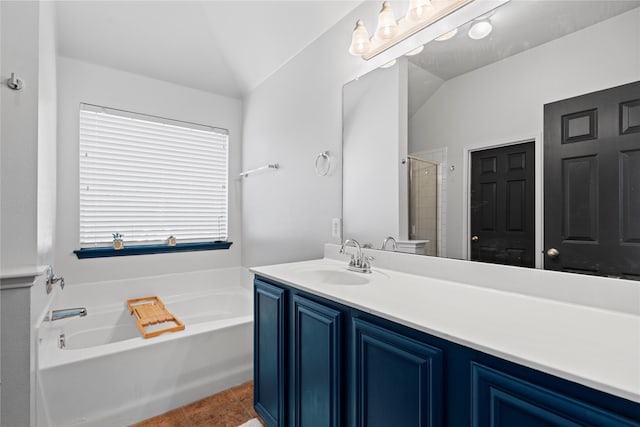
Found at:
(330, 276)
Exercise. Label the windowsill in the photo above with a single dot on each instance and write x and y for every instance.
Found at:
(150, 249)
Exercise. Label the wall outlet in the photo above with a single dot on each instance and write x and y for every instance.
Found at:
(336, 228)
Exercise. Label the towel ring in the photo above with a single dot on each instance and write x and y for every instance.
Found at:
(323, 163)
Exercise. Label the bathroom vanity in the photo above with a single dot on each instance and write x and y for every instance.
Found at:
(334, 347)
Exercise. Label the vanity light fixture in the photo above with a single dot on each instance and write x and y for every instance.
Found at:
(389, 32)
(480, 30)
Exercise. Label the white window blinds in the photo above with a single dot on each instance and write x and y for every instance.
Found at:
(149, 178)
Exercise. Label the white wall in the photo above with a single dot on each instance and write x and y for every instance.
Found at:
(19, 136)
(83, 82)
(503, 102)
(28, 195)
(373, 147)
(290, 119)
(18, 208)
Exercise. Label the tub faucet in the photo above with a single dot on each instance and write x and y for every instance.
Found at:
(52, 280)
(394, 246)
(66, 313)
(359, 262)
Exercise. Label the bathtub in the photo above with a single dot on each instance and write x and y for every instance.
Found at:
(107, 374)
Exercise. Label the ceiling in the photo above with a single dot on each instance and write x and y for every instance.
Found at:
(517, 26)
(224, 47)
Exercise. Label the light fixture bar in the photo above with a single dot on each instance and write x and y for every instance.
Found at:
(407, 29)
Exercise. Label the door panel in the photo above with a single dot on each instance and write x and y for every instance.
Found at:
(398, 381)
(502, 205)
(579, 183)
(317, 371)
(629, 117)
(501, 400)
(592, 147)
(269, 353)
(516, 195)
(630, 200)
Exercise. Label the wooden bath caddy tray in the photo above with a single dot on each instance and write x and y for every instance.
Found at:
(150, 313)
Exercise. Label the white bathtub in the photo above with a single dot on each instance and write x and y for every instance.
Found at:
(108, 375)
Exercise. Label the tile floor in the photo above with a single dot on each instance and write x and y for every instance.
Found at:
(229, 408)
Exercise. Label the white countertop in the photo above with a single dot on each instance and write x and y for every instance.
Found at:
(592, 346)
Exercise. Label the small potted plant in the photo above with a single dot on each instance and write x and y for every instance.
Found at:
(118, 243)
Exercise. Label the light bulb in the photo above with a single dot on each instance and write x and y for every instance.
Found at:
(387, 25)
(415, 51)
(419, 10)
(447, 35)
(360, 43)
(480, 30)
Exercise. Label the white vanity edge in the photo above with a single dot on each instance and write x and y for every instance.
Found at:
(588, 339)
(600, 292)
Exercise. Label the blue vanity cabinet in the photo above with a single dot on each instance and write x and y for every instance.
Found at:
(317, 364)
(395, 380)
(269, 352)
(298, 358)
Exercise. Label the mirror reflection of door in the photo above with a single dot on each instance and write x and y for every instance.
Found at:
(502, 207)
(592, 165)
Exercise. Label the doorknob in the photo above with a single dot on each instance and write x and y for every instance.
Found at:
(474, 238)
(553, 253)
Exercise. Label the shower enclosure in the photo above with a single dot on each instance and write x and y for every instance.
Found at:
(424, 177)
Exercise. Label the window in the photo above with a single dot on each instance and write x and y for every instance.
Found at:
(149, 178)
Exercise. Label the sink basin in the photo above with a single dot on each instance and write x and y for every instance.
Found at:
(334, 277)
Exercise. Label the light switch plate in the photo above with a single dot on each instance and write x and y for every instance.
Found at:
(336, 228)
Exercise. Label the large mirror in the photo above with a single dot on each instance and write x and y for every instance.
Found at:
(423, 137)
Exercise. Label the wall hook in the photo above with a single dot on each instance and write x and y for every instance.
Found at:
(14, 83)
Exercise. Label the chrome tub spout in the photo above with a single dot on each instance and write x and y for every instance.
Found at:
(66, 313)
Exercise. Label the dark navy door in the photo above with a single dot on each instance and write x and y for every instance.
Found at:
(317, 360)
(397, 380)
(269, 353)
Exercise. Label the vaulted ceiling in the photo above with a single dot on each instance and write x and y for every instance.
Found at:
(224, 47)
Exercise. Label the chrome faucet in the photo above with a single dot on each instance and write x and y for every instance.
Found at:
(66, 313)
(394, 246)
(359, 262)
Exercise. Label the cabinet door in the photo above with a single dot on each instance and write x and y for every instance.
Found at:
(499, 399)
(397, 380)
(269, 353)
(317, 369)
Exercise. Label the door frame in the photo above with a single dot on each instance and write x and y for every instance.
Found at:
(538, 196)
